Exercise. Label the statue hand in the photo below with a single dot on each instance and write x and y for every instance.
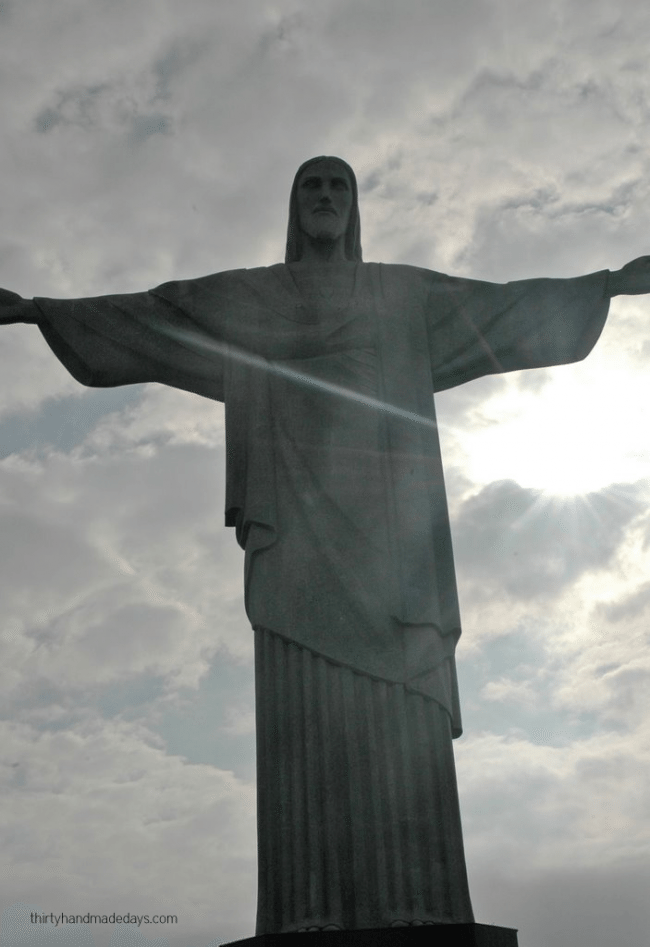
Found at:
(632, 280)
(13, 308)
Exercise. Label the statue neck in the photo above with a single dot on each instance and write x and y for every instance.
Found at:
(321, 251)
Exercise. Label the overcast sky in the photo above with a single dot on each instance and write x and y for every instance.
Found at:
(146, 140)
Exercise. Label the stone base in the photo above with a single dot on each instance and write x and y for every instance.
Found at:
(434, 935)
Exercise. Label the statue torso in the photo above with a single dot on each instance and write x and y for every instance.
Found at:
(324, 288)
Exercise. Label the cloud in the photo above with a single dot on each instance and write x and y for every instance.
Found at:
(98, 563)
(30, 374)
(567, 905)
(539, 805)
(103, 795)
(540, 544)
(630, 606)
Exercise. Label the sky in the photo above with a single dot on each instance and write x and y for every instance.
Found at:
(148, 140)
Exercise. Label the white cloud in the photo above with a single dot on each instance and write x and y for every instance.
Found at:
(240, 720)
(92, 815)
(539, 806)
(507, 689)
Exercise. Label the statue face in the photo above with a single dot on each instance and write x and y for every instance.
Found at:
(324, 198)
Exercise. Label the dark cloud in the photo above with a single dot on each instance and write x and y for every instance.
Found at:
(370, 182)
(535, 229)
(104, 107)
(596, 905)
(77, 106)
(64, 422)
(179, 55)
(144, 126)
(518, 540)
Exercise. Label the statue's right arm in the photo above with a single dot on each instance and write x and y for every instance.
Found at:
(127, 339)
(13, 308)
(181, 333)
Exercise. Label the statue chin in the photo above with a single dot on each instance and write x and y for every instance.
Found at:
(327, 230)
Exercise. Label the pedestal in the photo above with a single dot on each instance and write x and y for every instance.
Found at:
(435, 935)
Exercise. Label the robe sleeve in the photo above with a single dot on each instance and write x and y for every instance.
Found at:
(477, 328)
(154, 336)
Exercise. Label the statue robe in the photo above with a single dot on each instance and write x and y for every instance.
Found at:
(335, 488)
(334, 475)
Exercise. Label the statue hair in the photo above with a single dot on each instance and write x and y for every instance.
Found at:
(352, 246)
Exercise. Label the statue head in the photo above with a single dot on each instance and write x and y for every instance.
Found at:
(297, 228)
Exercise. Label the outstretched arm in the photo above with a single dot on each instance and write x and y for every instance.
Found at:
(106, 341)
(478, 328)
(633, 279)
(178, 334)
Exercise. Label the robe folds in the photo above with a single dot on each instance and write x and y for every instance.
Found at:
(334, 474)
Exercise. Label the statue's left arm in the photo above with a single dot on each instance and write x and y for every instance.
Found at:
(478, 328)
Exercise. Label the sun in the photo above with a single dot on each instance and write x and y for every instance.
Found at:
(567, 439)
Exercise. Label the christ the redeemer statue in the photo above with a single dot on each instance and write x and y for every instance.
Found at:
(327, 367)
